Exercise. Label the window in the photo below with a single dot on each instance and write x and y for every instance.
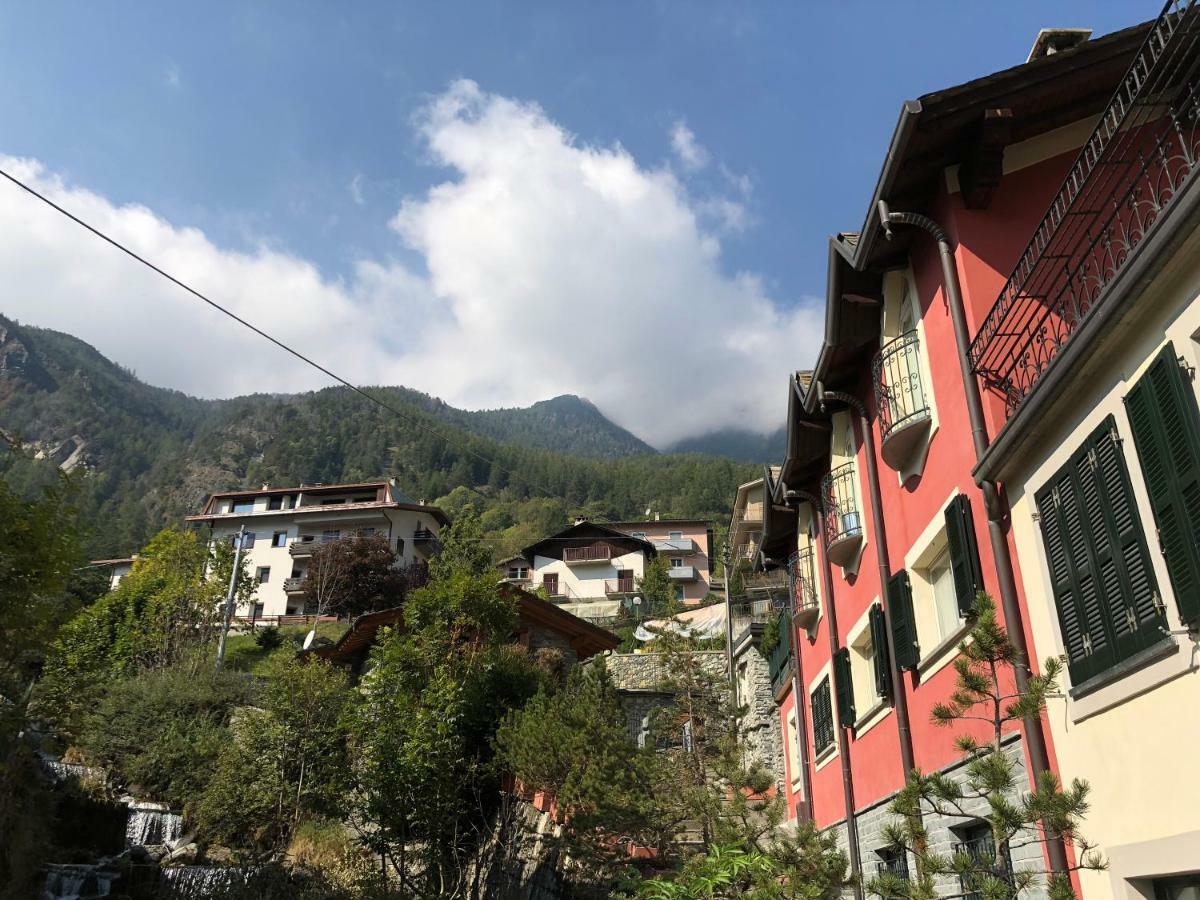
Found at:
(676, 536)
(977, 842)
(243, 505)
(1166, 431)
(822, 715)
(332, 501)
(940, 578)
(275, 502)
(870, 674)
(927, 607)
(1185, 888)
(247, 540)
(263, 575)
(639, 534)
(679, 595)
(279, 539)
(399, 546)
(331, 534)
(1104, 588)
(366, 532)
(892, 861)
(676, 562)
(843, 685)
(258, 611)
(793, 749)
(518, 573)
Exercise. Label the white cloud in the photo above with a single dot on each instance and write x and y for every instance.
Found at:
(550, 266)
(172, 77)
(356, 189)
(692, 155)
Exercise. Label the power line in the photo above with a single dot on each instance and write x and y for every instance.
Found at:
(278, 343)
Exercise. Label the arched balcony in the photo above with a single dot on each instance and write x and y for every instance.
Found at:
(843, 519)
(904, 417)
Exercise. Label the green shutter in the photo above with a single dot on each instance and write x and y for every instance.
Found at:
(1084, 635)
(883, 672)
(1166, 431)
(1134, 606)
(1104, 587)
(822, 714)
(844, 687)
(904, 625)
(964, 553)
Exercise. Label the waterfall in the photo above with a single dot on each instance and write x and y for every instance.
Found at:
(152, 824)
(61, 771)
(76, 882)
(200, 882)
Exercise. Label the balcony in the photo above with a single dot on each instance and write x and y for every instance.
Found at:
(681, 545)
(843, 520)
(780, 662)
(752, 514)
(301, 548)
(683, 573)
(1118, 195)
(904, 418)
(806, 607)
(745, 613)
(620, 587)
(427, 541)
(293, 585)
(594, 553)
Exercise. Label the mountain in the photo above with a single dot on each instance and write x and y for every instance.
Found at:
(566, 424)
(737, 443)
(145, 456)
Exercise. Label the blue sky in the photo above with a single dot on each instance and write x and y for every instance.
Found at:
(293, 126)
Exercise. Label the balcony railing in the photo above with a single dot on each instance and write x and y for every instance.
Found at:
(981, 850)
(591, 553)
(843, 520)
(620, 586)
(1143, 152)
(900, 395)
(293, 585)
(752, 513)
(780, 662)
(683, 573)
(801, 575)
(678, 545)
(427, 540)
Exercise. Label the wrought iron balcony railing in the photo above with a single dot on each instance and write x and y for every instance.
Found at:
(842, 517)
(801, 571)
(899, 390)
(1144, 150)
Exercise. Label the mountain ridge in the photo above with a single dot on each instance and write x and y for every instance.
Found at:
(147, 456)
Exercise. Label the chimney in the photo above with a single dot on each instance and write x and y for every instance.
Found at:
(581, 520)
(266, 486)
(1056, 40)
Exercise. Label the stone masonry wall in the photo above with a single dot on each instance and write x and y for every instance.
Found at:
(942, 837)
(639, 679)
(761, 732)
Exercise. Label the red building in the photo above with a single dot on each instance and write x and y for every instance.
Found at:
(876, 512)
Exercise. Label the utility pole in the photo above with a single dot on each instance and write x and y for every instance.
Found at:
(231, 596)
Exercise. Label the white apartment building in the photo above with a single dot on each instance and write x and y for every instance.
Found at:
(284, 524)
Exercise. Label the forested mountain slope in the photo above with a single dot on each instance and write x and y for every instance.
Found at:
(146, 456)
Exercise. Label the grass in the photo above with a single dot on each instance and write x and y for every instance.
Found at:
(242, 653)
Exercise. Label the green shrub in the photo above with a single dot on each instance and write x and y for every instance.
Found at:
(268, 638)
(162, 731)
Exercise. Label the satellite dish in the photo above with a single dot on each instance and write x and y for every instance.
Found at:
(308, 638)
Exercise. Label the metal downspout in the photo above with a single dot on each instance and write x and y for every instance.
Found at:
(843, 746)
(800, 691)
(899, 695)
(992, 500)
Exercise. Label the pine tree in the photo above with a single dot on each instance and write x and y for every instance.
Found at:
(991, 780)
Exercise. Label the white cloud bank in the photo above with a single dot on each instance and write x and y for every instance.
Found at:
(551, 267)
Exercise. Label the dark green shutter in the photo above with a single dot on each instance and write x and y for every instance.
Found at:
(1104, 587)
(964, 553)
(1166, 431)
(822, 713)
(883, 672)
(904, 625)
(844, 687)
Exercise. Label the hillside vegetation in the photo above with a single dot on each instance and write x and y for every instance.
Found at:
(148, 456)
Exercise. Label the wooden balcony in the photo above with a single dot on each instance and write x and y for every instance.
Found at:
(620, 587)
(293, 585)
(593, 553)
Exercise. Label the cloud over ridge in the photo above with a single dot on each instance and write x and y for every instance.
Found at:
(549, 266)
